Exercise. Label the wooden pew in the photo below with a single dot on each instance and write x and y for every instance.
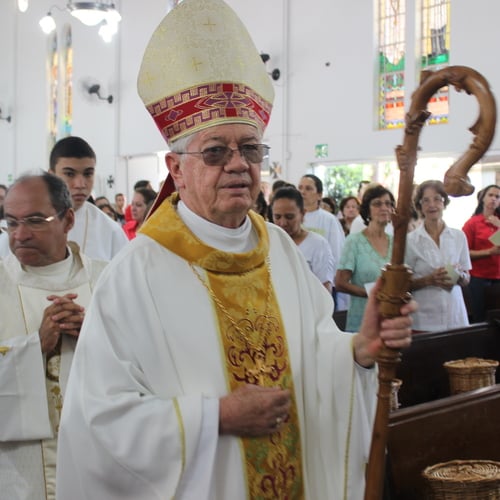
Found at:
(421, 370)
(431, 426)
(340, 318)
(464, 426)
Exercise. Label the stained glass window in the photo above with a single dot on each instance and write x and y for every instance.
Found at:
(391, 51)
(435, 51)
(68, 82)
(53, 72)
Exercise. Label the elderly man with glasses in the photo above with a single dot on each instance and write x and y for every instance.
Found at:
(214, 369)
(46, 284)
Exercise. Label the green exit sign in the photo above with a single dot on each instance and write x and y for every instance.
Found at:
(321, 151)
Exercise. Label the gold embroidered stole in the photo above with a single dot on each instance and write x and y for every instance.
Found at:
(253, 340)
(55, 400)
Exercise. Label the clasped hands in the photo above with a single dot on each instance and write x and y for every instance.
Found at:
(62, 316)
(441, 279)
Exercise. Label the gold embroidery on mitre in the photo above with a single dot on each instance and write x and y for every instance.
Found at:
(199, 46)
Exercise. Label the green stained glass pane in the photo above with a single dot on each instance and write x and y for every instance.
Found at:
(387, 67)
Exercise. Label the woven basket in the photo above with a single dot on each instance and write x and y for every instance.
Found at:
(470, 373)
(464, 480)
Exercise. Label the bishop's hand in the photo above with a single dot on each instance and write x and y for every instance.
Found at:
(253, 411)
(375, 331)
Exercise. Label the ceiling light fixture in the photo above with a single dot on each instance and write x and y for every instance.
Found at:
(90, 14)
(47, 24)
(22, 5)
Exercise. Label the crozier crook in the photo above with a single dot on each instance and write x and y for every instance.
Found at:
(396, 276)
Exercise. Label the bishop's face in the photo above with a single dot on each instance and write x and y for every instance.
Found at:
(224, 193)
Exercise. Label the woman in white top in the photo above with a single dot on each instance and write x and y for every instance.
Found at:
(324, 223)
(439, 258)
(288, 213)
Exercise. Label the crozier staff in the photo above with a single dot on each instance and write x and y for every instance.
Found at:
(224, 376)
(396, 276)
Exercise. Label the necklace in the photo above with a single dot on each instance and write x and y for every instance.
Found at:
(246, 339)
(263, 326)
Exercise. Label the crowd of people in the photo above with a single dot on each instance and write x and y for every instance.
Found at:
(57, 239)
(183, 346)
(455, 272)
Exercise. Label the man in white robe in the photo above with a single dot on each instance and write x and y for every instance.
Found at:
(98, 236)
(45, 286)
(217, 372)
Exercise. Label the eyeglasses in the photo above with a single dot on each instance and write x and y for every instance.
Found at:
(218, 156)
(380, 203)
(33, 223)
(436, 199)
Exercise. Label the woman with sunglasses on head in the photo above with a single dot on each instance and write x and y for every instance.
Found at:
(484, 254)
(365, 253)
(439, 258)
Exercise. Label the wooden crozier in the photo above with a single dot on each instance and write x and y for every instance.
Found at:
(396, 276)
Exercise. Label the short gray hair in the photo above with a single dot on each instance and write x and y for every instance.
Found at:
(60, 197)
(180, 145)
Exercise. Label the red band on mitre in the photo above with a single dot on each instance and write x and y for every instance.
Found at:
(209, 104)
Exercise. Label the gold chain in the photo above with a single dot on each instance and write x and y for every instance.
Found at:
(258, 348)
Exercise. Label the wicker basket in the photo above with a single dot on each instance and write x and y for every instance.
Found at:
(464, 480)
(470, 373)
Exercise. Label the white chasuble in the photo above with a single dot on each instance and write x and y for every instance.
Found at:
(97, 235)
(253, 341)
(140, 417)
(32, 386)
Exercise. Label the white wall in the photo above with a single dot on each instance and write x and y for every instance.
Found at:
(335, 104)
(325, 50)
(24, 77)
(7, 93)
